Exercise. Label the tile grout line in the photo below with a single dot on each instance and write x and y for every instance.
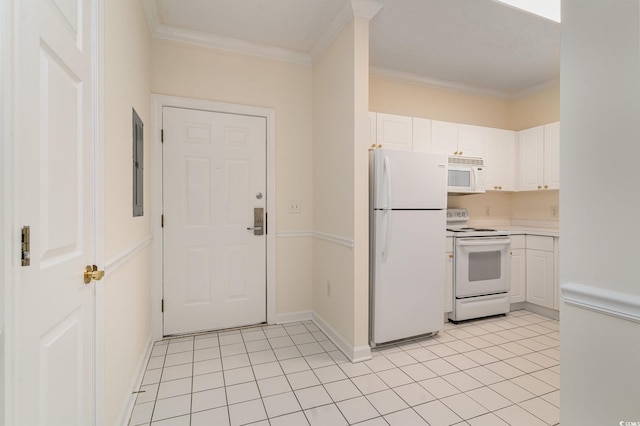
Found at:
(404, 349)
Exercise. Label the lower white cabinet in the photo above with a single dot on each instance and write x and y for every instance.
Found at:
(448, 276)
(518, 269)
(540, 271)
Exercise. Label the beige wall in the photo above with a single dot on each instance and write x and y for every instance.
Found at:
(201, 73)
(600, 378)
(127, 296)
(499, 204)
(536, 109)
(535, 205)
(415, 100)
(333, 168)
(361, 185)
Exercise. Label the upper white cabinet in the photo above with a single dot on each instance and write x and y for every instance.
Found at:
(394, 132)
(539, 158)
(531, 159)
(457, 139)
(552, 155)
(421, 134)
(471, 139)
(373, 131)
(444, 138)
(499, 158)
(528, 160)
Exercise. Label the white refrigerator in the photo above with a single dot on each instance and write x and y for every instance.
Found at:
(408, 199)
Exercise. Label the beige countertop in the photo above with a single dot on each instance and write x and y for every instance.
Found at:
(527, 230)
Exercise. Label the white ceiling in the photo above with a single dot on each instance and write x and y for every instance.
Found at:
(480, 46)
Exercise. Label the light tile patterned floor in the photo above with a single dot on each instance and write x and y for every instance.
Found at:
(493, 372)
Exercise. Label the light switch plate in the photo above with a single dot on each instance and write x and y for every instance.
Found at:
(295, 206)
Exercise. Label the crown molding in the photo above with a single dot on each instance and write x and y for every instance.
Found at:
(166, 32)
(362, 8)
(453, 86)
(151, 14)
(532, 90)
(435, 83)
(366, 9)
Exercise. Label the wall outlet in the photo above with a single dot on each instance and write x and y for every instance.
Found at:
(554, 211)
(328, 288)
(487, 211)
(295, 206)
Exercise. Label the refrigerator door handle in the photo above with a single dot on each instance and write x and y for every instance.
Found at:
(387, 237)
(387, 169)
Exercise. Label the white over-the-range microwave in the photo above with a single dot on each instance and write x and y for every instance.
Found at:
(466, 175)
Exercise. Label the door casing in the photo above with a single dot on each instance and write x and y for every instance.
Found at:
(157, 103)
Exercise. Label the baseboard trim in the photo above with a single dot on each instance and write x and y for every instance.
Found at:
(294, 317)
(357, 354)
(616, 304)
(136, 381)
(541, 310)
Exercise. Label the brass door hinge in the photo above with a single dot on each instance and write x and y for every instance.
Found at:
(162, 221)
(161, 135)
(162, 306)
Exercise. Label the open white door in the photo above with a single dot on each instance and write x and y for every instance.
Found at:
(54, 322)
(214, 179)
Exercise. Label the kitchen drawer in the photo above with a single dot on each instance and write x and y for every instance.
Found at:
(518, 241)
(538, 242)
(448, 245)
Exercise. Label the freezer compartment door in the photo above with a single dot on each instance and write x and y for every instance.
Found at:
(407, 282)
(409, 180)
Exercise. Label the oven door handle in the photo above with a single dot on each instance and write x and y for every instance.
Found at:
(483, 242)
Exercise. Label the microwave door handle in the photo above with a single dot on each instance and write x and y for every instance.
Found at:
(474, 187)
(387, 169)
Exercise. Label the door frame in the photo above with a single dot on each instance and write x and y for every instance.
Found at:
(158, 102)
(10, 214)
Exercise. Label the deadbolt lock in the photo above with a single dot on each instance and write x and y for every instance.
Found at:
(258, 221)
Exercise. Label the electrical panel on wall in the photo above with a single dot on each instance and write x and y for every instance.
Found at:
(138, 157)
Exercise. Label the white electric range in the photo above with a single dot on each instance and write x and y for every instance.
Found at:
(480, 269)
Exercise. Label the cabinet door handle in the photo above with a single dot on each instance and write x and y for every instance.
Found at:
(539, 187)
(546, 186)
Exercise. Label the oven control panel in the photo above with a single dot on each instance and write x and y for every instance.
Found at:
(457, 214)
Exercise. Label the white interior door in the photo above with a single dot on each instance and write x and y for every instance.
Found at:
(214, 176)
(55, 323)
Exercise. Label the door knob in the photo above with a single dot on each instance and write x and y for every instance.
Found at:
(92, 273)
